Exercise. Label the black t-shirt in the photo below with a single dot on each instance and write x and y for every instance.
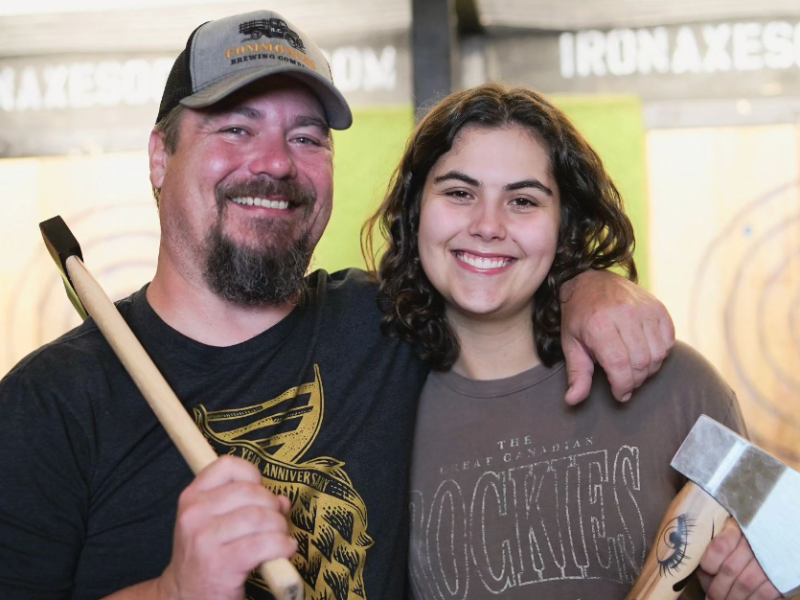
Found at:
(322, 403)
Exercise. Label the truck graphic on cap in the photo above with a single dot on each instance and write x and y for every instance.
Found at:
(272, 28)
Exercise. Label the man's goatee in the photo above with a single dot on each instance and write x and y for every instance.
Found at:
(249, 277)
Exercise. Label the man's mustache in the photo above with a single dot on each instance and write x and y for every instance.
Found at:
(292, 192)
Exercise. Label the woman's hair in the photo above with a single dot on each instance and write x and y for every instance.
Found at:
(595, 233)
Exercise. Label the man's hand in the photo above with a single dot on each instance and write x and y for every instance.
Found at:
(729, 571)
(607, 318)
(227, 525)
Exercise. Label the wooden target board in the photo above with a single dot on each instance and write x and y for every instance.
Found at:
(107, 203)
(725, 258)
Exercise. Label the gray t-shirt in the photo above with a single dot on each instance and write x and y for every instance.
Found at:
(517, 495)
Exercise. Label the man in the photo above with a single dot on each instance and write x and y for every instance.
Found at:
(288, 373)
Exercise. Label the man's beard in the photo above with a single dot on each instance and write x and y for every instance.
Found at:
(272, 275)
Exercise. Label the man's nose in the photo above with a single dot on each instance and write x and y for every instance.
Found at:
(272, 156)
(487, 222)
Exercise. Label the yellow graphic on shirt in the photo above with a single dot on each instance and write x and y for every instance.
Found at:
(328, 517)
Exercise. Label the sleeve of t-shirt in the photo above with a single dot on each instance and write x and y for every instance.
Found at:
(44, 481)
(703, 391)
(734, 419)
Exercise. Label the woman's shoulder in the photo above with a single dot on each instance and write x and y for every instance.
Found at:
(688, 385)
(686, 378)
(685, 364)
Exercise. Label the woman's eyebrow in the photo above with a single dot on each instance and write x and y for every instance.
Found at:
(460, 177)
(528, 183)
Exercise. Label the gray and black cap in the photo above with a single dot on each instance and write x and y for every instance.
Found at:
(225, 55)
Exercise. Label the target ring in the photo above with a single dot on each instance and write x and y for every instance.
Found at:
(120, 247)
(746, 293)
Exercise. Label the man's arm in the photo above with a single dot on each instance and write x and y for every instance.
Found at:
(610, 320)
(227, 525)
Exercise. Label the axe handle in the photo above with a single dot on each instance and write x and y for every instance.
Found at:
(691, 521)
(283, 579)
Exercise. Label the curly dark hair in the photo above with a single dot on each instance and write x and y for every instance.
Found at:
(595, 233)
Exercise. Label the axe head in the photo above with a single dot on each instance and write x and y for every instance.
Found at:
(758, 490)
(62, 244)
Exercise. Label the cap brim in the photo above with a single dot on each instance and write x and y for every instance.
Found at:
(337, 111)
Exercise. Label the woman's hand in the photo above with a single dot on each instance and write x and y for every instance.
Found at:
(730, 571)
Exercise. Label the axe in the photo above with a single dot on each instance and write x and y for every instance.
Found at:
(89, 299)
(728, 476)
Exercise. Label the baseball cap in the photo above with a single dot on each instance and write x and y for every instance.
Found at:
(224, 55)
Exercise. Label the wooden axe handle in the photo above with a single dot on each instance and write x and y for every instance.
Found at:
(283, 579)
(690, 523)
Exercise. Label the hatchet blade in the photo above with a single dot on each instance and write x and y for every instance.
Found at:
(758, 490)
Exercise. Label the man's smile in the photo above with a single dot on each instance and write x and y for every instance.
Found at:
(262, 202)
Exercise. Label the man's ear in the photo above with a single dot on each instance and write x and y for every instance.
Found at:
(158, 158)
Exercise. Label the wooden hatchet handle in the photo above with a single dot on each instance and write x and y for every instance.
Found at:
(690, 523)
(283, 579)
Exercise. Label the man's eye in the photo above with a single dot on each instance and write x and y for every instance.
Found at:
(306, 140)
(235, 130)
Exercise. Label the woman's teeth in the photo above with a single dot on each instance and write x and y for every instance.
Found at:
(482, 263)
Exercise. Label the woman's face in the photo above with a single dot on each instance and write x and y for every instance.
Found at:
(489, 222)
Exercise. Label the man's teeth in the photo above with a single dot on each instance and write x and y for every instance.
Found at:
(248, 201)
(483, 263)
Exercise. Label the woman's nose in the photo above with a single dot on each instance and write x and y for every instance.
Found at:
(487, 222)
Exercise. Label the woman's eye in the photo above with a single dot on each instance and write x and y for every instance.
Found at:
(459, 194)
(523, 202)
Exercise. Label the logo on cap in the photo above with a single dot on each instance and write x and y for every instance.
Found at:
(272, 28)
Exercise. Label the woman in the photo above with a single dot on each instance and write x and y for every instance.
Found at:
(497, 201)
